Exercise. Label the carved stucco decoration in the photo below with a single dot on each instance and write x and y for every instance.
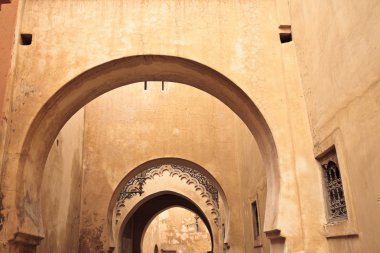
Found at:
(189, 175)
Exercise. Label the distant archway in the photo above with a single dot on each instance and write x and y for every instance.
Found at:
(184, 170)
(103, 78)
(143, 215)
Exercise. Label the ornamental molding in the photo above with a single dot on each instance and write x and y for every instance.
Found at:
(190, 176)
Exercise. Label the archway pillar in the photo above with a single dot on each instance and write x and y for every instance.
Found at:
(277, 244)
(24, 243)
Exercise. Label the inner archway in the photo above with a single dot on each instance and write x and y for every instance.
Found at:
(193, 186)
(136, 226)
(177, 229)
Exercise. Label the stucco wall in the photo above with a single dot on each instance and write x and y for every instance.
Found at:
(239, 40)
(253, 188)
(129, 126)
(339, 57)
(337, 48)
(61, 189)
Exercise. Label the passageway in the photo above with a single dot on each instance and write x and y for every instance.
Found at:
(259, 117)
(136, 226)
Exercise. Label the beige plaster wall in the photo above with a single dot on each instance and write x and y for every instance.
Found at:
(239, 39)
(180, 121)
(337, 56)
(61, 189)
(253, 188)
(174, 229)
(339, 59)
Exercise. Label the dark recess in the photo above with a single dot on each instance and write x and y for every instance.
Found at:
(26, 39)
(285, 37)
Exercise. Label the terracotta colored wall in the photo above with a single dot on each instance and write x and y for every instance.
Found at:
(8, 16)
(339, 57)
(61, 189)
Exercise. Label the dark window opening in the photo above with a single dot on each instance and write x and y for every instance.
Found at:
(26, 39)
(255, 218)
(285, 33)
(286, 37)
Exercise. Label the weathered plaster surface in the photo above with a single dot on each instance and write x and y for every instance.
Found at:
(238, 39)
(339, 59)
(120, 136)
(61, 189)
(8, 17)
(253, 188)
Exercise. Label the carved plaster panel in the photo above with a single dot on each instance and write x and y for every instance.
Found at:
(189, 175)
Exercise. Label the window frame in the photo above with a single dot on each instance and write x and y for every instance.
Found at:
(257, 240)
(346, 227)
(330, 156)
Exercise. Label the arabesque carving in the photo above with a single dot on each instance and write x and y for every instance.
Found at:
(189, 175)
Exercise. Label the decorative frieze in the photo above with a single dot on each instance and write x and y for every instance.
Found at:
(189, 175)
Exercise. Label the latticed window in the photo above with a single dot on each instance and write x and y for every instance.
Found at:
(336, 203)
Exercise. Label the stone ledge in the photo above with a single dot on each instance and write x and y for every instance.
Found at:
(26, 239)
(274, 234)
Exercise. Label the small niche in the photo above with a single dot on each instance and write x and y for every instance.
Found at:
(285, 33)
(26, 39)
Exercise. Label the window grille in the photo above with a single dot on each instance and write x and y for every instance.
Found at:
(336, 203)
